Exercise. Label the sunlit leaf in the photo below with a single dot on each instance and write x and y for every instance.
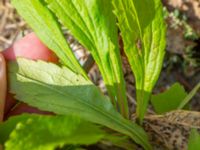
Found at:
(39, 132)
(46, 26)
(93, 24)
(49, 87)
(7, 127)
(143, 32)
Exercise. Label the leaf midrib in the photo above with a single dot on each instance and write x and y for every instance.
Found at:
(90, 106)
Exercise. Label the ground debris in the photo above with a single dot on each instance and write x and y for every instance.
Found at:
(171, 130)
(11, 25)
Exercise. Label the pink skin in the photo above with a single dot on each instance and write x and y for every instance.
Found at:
(29, 47)
(32, 48)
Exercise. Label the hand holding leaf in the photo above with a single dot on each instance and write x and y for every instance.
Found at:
(28, 47)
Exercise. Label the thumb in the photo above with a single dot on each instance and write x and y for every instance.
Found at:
(3, 86)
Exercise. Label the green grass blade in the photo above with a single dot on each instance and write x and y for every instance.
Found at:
(189, 96)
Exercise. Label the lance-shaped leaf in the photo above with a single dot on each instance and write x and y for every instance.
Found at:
(93, 24)
(47, 28)
(143, 33)
(49, 132)
(61, 91)
(77, 131)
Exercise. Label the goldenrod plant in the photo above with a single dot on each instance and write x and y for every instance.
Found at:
(84, 115)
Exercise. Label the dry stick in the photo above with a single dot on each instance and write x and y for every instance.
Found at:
(89, 63)
(3, 86)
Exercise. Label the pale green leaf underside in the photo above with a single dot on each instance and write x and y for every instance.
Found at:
(46, 26)
(49, 132)
(143, 31)
(93, 24)
(59, 90)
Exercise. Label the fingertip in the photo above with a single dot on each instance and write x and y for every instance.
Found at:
(3, 85)
(30, 47)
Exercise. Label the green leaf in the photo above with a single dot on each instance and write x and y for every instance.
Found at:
(93, 24)
(39, 132)
(7, 127)
(47, 28)
(173, 98)
(194, 140)
(189, 96)
(143, 32)
(49, 87)
(168, 100)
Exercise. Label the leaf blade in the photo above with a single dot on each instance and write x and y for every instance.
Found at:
(143, 31)
(169, 100)
(93, 24)
(51, 131)
(47, 28)
(69, 94)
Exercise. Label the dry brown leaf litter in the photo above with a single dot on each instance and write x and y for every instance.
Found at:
(11, 25)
